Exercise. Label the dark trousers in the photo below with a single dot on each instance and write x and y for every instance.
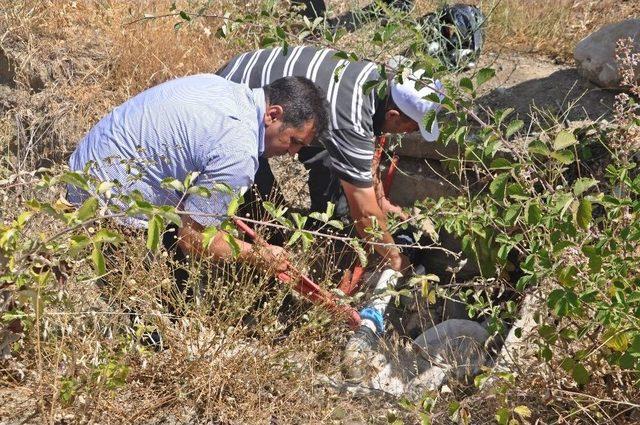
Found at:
(351, 20)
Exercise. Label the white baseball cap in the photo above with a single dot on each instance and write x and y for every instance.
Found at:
(414, 104)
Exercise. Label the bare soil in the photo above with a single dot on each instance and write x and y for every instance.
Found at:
(527, 82)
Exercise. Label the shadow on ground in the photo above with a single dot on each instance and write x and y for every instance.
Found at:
(563, 92)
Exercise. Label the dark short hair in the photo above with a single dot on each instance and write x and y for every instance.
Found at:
(301, 101)
(389, 102)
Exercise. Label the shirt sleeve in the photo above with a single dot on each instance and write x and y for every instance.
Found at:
(235, 168)
(351, 156)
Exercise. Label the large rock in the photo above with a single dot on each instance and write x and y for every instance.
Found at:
(417, 179)
(451, 350)
(595, 54)
(414, 146)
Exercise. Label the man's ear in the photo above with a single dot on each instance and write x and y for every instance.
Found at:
(273, 114)
(391, 113)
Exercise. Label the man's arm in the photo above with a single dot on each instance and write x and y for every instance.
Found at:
(381, 197)
(191, 241)
(235, 167)
(363, 205)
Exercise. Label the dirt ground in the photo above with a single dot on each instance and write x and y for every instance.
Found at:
(524, 82)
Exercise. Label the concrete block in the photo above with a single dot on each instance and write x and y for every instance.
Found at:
(414, 146)
(417, 179)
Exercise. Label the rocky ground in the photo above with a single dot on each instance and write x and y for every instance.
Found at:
(527, 82)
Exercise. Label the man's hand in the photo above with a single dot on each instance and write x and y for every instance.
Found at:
(388, 207)
(399, 262)
(363, 205)
(273, 258)
(269, 257)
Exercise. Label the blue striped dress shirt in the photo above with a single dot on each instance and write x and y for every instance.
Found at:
(201, 123)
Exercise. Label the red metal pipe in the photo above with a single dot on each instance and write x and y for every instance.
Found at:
(351, 281)
(391, 172)
(309, 289)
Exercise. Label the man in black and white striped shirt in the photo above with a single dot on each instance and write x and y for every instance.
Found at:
(356, 117)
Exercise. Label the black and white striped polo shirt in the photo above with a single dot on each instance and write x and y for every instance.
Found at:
(351, 140)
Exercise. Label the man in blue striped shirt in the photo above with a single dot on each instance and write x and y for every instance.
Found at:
(208, 125)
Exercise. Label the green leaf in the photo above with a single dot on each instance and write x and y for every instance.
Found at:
(580, 374)
(627, 361)
(617, 341)
(78, 242)
(340, 54)
(362, 254)
(561, 203)
(583, 214)
(501, 164)
(454, 406)
(563, 157)
(88, 209)
(568, 364)
(233, 244)
(425, 418)
(498, 186)
(264, 43)
(546, 354)
(523, 411)
(296, 235)
(511, 214)
(154, 229)
(299, 219)
(502, 416)
(564, 139)
(171, 183)
(538, 147)
(169, 214)
(104, 187)
(513, 127)
(98, 260)
(307, 240)
(191, 178)
(336, 223)
(549, 333)
(435, 98)
(207, 236)
(233, 206)
(389, 29)
(501, 115)
(75, 179)
(562, 301)
(429, 119)
(199, 191)
(369, 85)
(582, 185)
(484, 75)
(466, 84)
(223, 188)
(184, 15)
(534, 214)
(108, 236)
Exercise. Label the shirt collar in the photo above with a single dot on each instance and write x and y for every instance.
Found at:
(261, 109)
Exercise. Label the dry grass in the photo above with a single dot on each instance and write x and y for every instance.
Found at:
(74, 61)
(550, 28)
